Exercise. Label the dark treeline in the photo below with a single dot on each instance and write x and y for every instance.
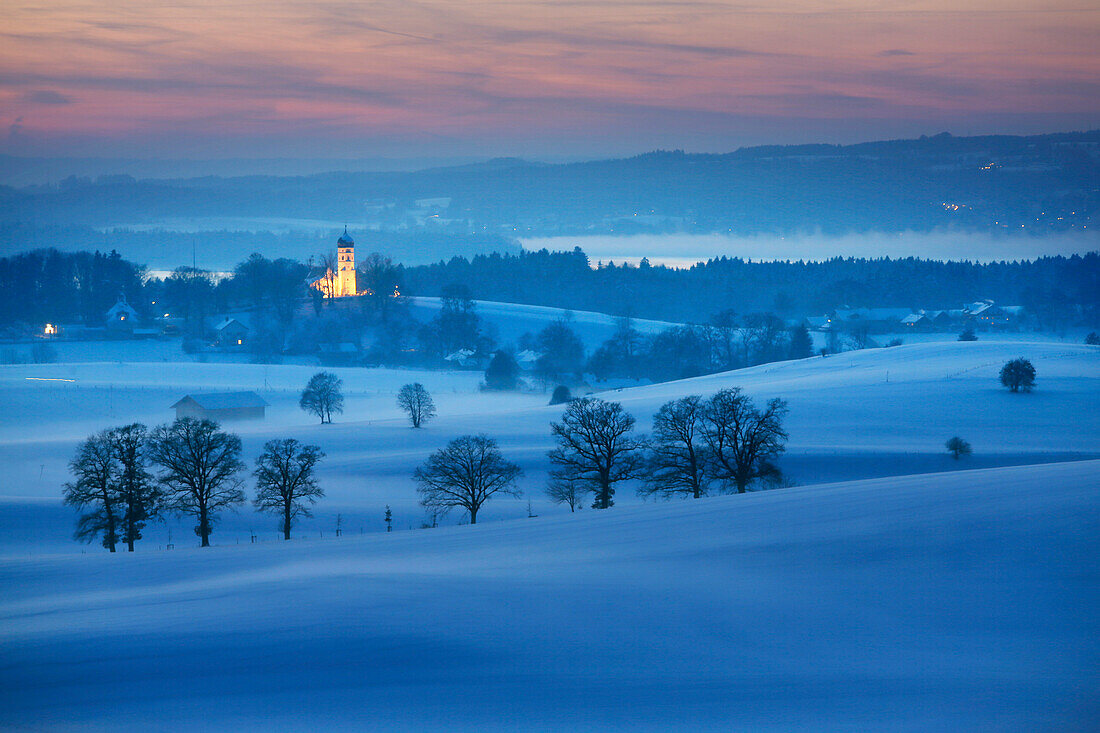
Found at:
(566, 280)
(51, 286)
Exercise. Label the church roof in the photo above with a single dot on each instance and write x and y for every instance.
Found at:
(345, 238)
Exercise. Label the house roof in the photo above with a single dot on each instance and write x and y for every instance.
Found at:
(223, 400)
(229, 322)
(978, 307)
(459, 355)
(913, 318)
(120, 307)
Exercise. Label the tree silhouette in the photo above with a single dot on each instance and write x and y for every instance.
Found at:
(322, 396)
(595, 444)
(285, 483)
(199, 466)
(466, 474)
(417, 403)
(1018, 375)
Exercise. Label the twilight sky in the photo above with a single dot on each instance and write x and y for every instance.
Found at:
(418, 78)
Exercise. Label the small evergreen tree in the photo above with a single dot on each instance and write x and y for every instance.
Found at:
(801, 345)
(417, 403)
(1018, 375)
(503, 371)
(561, 395)
(389, 519)
(1093, 339)
(958, 447)
(323, 396)
(968, 335)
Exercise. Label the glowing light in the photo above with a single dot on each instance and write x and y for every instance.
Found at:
(50, 330)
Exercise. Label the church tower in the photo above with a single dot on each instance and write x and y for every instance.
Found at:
(345, 258)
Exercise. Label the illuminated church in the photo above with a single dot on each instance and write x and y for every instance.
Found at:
(340, 284)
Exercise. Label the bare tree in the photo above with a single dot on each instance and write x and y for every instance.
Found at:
(565, 488)
(743, 441)
(958, 447)
(285, 483)
(416, 401)
(677, 460)
(594, 444)
(95, 489)
(322, 396)
(466, 474)
(138, 493)
(723, 333)
(199, 467)
(330, 264)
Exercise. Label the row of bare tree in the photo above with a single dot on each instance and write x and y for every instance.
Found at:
(698, 444)
(196, 471)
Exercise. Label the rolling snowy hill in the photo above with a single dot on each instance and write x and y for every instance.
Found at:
(856, 415)
(955, 601)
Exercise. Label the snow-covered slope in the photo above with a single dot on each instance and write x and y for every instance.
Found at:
(856, 415)
(509, 321)
(955, 601)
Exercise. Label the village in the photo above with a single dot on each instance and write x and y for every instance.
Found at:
(336, 281)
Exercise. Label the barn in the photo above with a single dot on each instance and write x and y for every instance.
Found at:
(222, 406)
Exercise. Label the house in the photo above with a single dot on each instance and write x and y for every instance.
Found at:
(462, 358)
(222, 406)
(817, 323)
(231, 334)
(916, 322)
(943, 320)
(121, 317)
(528, 359)
(987, 314)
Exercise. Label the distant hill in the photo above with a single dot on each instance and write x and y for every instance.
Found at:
(992, 183)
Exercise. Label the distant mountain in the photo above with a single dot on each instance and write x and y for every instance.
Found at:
(992, 183)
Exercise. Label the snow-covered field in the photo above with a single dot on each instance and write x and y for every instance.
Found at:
(856, 415)
(954, 601)
(922, 597)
